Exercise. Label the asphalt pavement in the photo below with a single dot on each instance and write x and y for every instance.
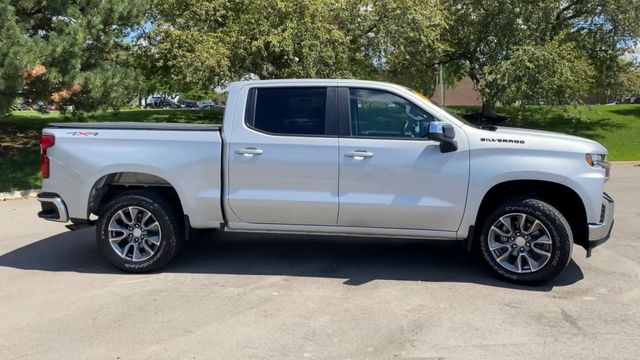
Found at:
(272, 296)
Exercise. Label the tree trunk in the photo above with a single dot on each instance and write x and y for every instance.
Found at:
(489, 107)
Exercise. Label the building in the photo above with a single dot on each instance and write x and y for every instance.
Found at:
(462, 93)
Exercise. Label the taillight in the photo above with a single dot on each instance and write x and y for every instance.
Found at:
(46, 141)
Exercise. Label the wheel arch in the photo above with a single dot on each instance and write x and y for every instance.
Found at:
(110, 185)
(560, 196)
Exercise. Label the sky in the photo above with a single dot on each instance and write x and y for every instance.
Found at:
(635, 55)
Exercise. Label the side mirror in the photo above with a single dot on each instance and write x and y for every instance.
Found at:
(444, 134)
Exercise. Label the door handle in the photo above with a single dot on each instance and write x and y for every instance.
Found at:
(249, 152)
(359, 154)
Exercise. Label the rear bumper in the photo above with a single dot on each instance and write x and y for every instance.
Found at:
(53, 207)
(600, 232)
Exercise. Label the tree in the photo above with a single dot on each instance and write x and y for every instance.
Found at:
(204, 44)
(76, 53)
(508, 41)
(551, 74)
(628, 81)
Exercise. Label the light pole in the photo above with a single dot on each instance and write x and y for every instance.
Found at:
(440, 77)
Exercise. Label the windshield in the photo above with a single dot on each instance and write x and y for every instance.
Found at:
(448, 111)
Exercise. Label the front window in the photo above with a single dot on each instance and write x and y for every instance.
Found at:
(376, 113)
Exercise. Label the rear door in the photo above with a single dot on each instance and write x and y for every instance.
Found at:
(390, 175)
(283, 158)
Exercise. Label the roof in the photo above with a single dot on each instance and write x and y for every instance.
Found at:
(311, 81)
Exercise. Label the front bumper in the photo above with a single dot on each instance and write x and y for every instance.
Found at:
(53, 207)
(600, 232)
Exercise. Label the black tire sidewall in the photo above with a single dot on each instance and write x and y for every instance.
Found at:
(556, 224)
(169, 237)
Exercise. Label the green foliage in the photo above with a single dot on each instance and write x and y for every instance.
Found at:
(631, 83)
(203, 44)
(75, 53)
(552, 73)
(628, 81)
(486, 34)
(200, 95)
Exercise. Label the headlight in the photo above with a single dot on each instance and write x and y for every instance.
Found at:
(600, 161)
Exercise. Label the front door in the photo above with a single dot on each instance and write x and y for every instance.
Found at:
(283, 160)
(390, 175)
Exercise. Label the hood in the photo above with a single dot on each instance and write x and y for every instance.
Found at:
(545, 140)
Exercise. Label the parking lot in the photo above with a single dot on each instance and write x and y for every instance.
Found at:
(271, 296)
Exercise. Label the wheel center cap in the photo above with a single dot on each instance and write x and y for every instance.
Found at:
(137, 232)
(520, 241)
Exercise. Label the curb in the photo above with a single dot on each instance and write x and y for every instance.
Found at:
(21, 194)
(626, 162)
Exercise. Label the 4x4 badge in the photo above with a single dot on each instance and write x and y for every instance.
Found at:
(83, 133)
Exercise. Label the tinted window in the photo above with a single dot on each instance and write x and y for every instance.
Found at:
(376, 113)
(291, 111)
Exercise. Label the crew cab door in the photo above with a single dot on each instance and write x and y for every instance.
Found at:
(283, 158)
(390, 175)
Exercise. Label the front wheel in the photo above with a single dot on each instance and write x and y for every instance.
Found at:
(138, 231)
(526, 241)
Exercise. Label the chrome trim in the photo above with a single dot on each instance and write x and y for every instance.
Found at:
(607, 170)
(57, 201)
(601, 231)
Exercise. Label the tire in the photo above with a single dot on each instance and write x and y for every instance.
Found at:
(531, 264)
(127, 211)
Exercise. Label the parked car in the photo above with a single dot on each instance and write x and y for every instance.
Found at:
(190, 104)
(210, 104)
(341, 157)
(162, 103)
(21, 106)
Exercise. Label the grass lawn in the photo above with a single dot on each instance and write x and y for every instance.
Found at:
(615, 126)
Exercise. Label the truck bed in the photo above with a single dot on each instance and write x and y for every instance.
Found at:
(187, 157)
(137, 126)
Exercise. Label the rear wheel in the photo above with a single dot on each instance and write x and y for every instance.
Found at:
(138, 231)
(526, 241)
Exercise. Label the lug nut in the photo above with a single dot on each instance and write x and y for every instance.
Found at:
(513, 246)
(521, 249)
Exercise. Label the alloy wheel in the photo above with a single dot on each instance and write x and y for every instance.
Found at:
(520, 243)
(134, 233)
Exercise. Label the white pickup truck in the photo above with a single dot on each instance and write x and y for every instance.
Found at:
(342, 157)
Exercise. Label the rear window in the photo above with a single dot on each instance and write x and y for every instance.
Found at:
(290, 111)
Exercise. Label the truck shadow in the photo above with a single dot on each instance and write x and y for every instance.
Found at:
(357, 260)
